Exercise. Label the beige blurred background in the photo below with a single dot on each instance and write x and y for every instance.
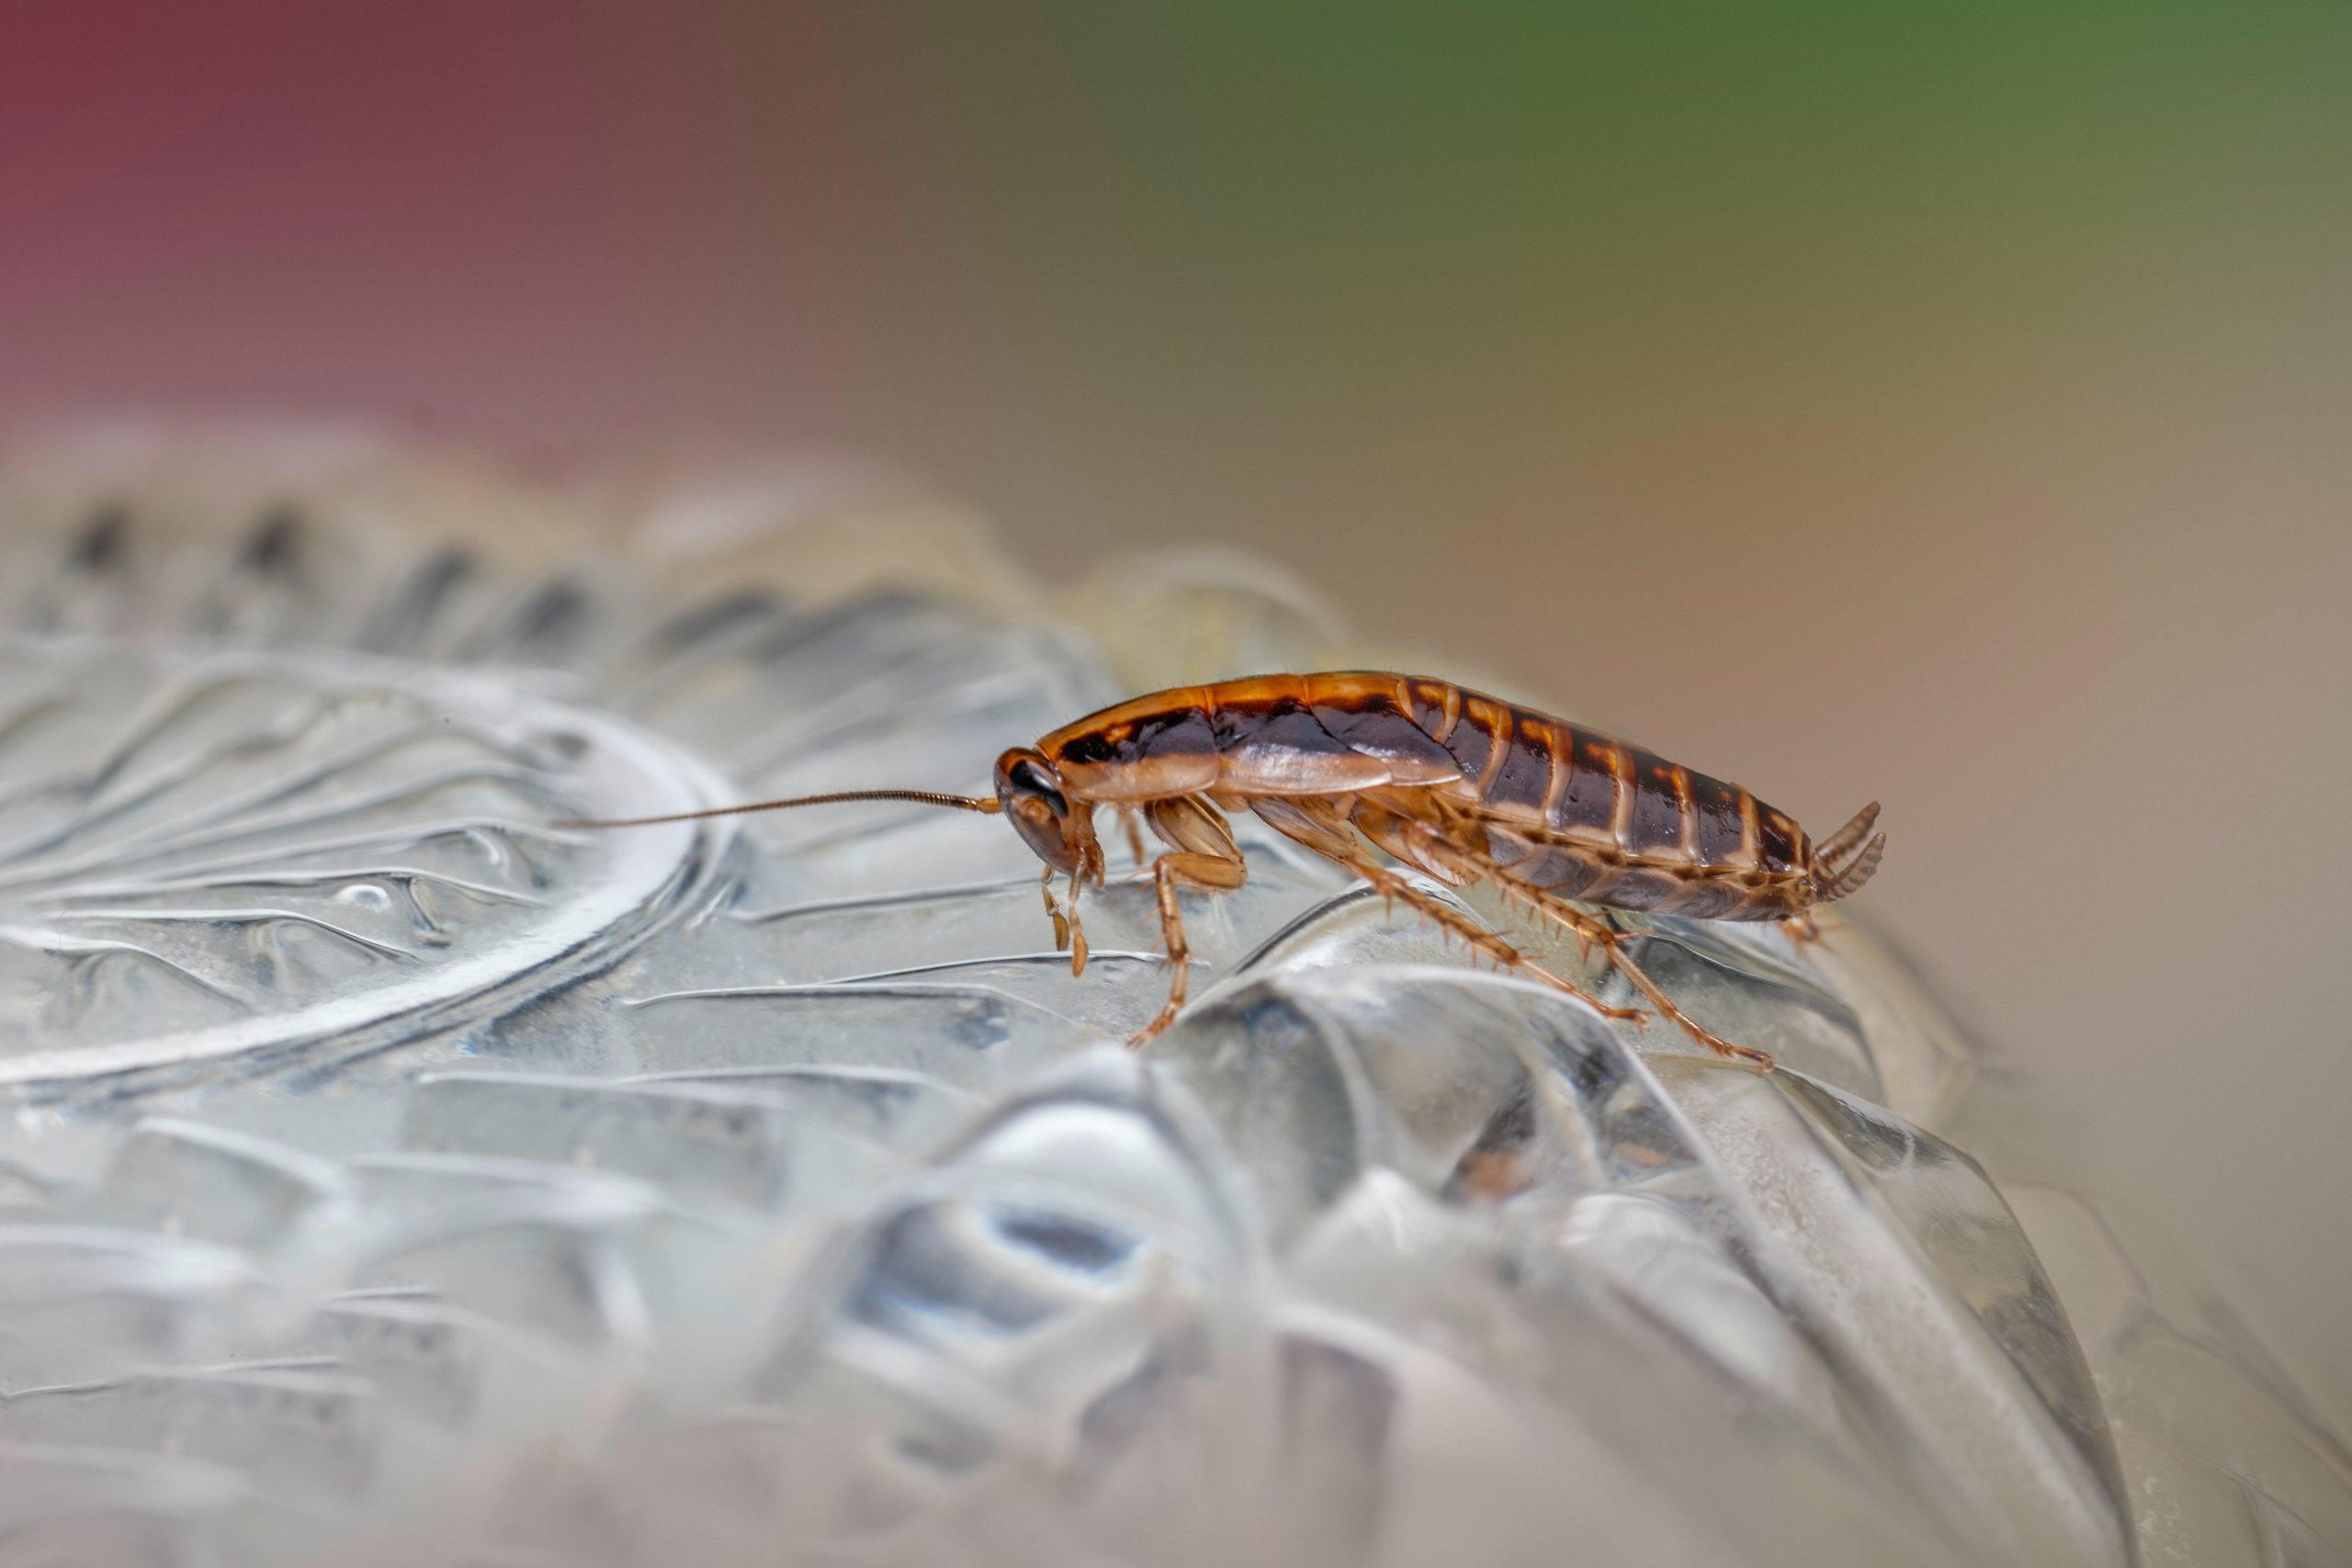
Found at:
(1952, 408)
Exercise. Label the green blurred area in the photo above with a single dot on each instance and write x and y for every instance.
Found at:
(2019, 164)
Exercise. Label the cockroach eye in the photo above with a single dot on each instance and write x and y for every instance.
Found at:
(1028, 779)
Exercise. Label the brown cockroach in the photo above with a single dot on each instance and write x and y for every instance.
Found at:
(1452, 783)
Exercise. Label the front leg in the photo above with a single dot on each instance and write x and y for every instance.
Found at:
(1068, 935)
(1202, 874)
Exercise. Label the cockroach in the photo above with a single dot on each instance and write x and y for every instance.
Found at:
(1452, 783)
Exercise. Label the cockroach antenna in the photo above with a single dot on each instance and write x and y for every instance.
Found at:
(985, 805)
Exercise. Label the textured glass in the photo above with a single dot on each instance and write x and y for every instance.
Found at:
(393, 1175)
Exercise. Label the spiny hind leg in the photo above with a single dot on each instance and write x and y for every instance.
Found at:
(1426, 847)
(1593, 931)
(1391, 885)
(1206, 873)
(1590, 933)
(1320, 826)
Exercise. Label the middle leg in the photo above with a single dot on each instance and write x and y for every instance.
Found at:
(1206, 873)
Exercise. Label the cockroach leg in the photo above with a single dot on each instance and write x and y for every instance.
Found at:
(1068, 935)
(1392, 886)
(1206, 873)
(1132, 825)
(1054, 913)
(1802, 930)
(1590, 933)
(1612, 941)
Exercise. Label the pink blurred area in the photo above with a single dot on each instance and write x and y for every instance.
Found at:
(543, 223)
(1960, 423)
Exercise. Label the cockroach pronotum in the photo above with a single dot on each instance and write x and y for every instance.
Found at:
(1452, 783)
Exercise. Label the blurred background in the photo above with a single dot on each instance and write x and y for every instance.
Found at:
(1945, 405)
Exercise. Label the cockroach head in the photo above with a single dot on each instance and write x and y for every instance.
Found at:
(1029, 791)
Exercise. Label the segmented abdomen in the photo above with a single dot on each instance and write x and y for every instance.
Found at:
(1566, 808)
(1587, 815)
